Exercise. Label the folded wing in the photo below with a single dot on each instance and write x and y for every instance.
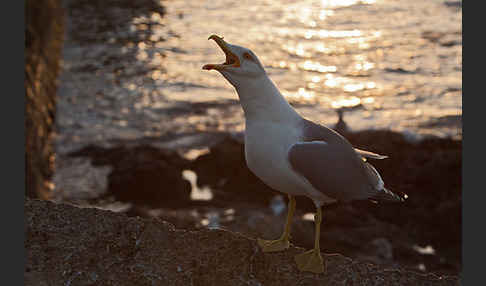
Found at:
(338, 171)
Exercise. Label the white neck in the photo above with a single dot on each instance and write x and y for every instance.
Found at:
(261, 100)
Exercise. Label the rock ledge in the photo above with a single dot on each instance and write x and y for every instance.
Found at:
(66, 245)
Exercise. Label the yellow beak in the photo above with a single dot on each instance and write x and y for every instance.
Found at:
(232, 60)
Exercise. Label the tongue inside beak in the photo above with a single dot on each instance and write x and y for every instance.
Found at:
(231, 59)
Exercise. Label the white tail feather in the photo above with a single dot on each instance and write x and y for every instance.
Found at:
(371, 155)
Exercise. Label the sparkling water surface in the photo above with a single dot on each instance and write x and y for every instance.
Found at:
(390, 64)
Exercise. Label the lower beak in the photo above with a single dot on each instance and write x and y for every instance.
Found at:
(232, 60)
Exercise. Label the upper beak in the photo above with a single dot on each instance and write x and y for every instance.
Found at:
(232, 60)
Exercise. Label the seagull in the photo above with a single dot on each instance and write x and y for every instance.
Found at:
(294, 155)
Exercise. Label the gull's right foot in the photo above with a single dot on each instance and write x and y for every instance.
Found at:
(311, 261)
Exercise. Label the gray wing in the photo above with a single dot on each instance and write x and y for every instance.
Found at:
(335, 169)
(329, 162)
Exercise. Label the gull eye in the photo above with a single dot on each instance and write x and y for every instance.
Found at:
(247, 56)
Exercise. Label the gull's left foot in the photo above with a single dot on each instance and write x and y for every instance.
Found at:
(311, 261)
(273, 245)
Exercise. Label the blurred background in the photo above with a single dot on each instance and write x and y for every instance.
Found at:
(120, 116)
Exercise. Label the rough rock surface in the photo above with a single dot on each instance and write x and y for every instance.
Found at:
(67, 245)
(44, 29)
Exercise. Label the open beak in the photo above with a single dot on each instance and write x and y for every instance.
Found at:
(232, 60)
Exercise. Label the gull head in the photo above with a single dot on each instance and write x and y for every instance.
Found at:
(241, 65)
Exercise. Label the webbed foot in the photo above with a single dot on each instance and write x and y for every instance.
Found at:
(311, 261)
(273, 245)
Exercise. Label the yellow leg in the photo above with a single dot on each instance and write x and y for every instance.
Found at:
(283, 242)
(312, 260)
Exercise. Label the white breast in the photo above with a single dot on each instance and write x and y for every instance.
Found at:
(266, 148)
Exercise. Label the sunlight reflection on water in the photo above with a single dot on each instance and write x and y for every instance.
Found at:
(399, 61)
(308, 37)
(202, 194)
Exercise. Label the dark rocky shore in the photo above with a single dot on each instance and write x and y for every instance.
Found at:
(391, 234)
